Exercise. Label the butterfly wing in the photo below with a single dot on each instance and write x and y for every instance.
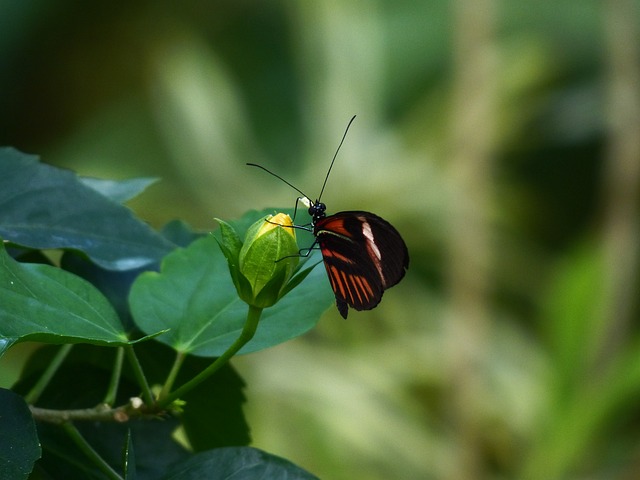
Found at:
(363, 254)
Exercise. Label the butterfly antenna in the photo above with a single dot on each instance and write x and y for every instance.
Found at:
(278, 177)
(335, 155)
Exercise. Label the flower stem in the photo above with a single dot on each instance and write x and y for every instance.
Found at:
(248, 331)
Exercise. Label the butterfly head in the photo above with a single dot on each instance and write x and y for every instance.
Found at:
(317, 209)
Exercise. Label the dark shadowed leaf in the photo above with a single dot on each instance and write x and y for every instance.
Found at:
(237, 463)
(43, 207)
(19, 445)
(81, 383)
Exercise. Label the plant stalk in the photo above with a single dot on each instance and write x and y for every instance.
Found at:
(147, 396)
(171, 378)
(112, 391)
(248, 331)
(34, 394)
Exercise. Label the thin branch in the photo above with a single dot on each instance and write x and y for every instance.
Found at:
(101, 413)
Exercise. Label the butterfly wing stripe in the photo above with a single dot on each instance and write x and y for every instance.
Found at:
(336, 284)
(363, 288)
(337, 255)
(336, 225)
(355, 298)
(394, 256)
(354, 289)
(373, 250)
(356, 283)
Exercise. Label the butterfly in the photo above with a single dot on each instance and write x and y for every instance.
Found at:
(363, 254)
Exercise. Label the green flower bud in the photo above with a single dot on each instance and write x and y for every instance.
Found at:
(263, 264)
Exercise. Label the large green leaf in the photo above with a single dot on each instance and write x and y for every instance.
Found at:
(237, 463)
(113, 284)
(47, 304)
(44, 207)
(19, 445)
(194, 297)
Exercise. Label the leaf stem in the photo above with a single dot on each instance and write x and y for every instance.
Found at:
(112, 390)
(171, 378)
(83, 445)
(248, 331)
(139, 374)
(34, 394)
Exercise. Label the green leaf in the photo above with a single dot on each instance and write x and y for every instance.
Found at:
(236, 463)
(180, 233)
(114, 285)
(119, 191)
(194, 296)
(230, 242)
(43, 207)
(19, 445)
(46, 304)
(299, 277)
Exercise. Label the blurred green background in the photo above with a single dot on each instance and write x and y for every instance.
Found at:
(502, 139)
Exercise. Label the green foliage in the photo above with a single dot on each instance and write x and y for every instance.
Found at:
(528, 370)
(44, 303)
(246, 463)
(97, 416)
(18, 437)
(42, 207)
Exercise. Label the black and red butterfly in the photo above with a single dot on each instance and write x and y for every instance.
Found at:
(364, 254)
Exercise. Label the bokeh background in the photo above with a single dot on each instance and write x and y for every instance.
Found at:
(501, 138)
